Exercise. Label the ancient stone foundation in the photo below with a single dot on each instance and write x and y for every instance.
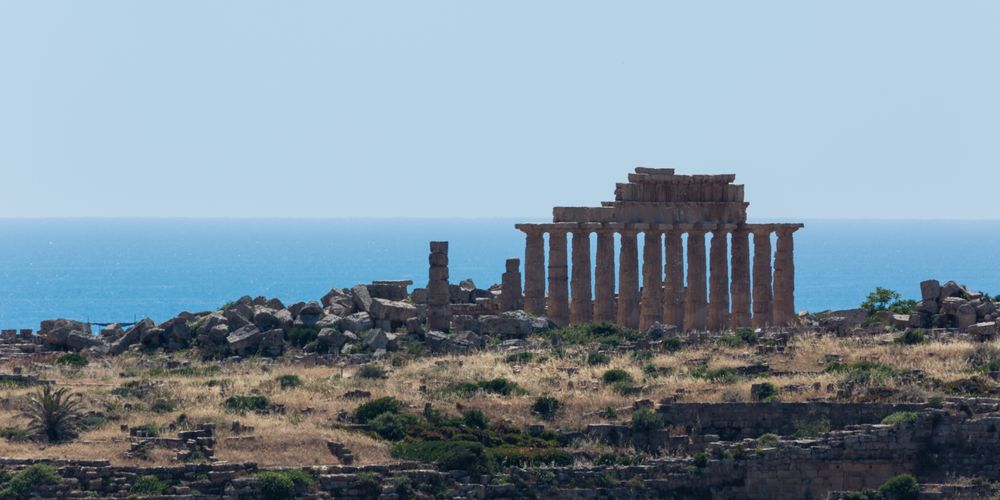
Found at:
(664, 207)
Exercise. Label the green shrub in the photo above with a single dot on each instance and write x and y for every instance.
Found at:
(147, 486)
(449, 455)
(20, 485)
(371, 371)
(392, 426)
(616, 375)
(605, 334)
(863, 372)
(598, 358)
(719, 375)
(901, 487)
(768, 441)
(609, 412)
(767, 392)
(911, 337)
(812, 428)
(162, 405)
(243, 404)
(520, 358)
(621, 459)
(546, 407)
(984, 358)
(700, 460)
(281, 485)
(302, 335)
(646, 420)
(54, 413)
(368, 484)
(289, 381)
(151, 430)
(72, 359)
(500, 386)
(900, 417)
(402, 486)
(672, 344)
(368, 411)
(475, 417)
(12, 432)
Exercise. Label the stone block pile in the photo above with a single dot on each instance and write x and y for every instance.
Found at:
(953, 306)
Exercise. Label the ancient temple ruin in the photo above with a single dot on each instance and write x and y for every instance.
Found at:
(663, 207)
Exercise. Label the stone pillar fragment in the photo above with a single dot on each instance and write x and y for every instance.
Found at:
(534, 270)
(718, 284)
(438, 295)
(604, 277)
(673, 283)
(695, 311)
(761, 276)
(558, 298)
(651, 307)
(628, 279)
(739, 288)
(581, 306)
(510, 287)
(783, 311)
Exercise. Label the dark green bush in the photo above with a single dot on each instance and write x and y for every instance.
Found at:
(520, 358)
(474, 417)
(621, 459)
(546, 407)
(700, 460)
(72, 359)
(672, 344)
(500, 386)
(911, 337)
(19, 485)
(449, 455)
(289, 381)
(901, 487)
(392, 426)
(646, 420)
(863, 372)
(162, 405)
(719, 375)
(302, 335)
(616, 375)
(371, 371)
(147, 486)
(150, 430)
(243, 404)
(598, 358)
(12, 432)
(281, 485)
(512, 456)
(368, 411)
(605, 334)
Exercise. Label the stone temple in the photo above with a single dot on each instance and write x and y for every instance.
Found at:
(717, 294)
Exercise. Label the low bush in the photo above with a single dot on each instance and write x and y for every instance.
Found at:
(911, 337)
(621, 459)
(372, 371)
(512, 456)
(243, 404)
(863, 372)
(72, 359)
(900, 417)
(520, 358)
(609, 412)
(901, 487)
(646, 420)
(812, 428)
(162, 405)
(501, 386)
(289, 381)
(149, 430)
(12, 432)
(392, 426)
(672, 344)
(20, 484)
(605, 334)
(368, 411)
(475, 417)
(302, 335)
(719, 375)
(984, 358)
(546, 407)
(598, 358)
(700, 460)
(768, 441)
(147, 486)
(449, 455)
(280, 485)
(616, 375)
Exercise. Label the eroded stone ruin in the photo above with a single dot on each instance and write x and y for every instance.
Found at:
(663, 207)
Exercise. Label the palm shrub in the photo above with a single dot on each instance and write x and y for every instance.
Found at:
(53, 413)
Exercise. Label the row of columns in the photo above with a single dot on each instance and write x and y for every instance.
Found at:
(717, 305)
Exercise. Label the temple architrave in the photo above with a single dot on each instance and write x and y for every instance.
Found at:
(662, 207)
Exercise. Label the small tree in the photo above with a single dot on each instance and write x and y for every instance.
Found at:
(53, 413)
(879, 300)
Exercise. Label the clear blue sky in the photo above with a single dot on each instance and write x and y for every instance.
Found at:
(847, 109)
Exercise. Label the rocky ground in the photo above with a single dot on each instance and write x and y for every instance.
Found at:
(353, 393)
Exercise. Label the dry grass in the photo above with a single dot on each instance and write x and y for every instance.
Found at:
(299, 436)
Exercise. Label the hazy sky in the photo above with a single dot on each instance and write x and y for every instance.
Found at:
(846, 109)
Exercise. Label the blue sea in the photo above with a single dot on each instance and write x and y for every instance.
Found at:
(119, 270)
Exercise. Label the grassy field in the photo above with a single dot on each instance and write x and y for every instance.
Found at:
(592, 384)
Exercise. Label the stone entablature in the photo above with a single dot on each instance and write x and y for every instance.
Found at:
(663, 207)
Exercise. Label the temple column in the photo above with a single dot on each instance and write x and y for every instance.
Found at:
(739, 288)
(695, 311)
(761, 276)
(581, 305)
(673, 283)
(604, 277)
(784, 278)
(651, 307)
(558, 298)
(628, 279)
(718, 282)
(534, 269)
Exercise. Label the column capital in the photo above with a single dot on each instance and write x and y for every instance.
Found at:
(724, 229)
(530, 228)
(762, 229)
(787, 229)
(586, 227)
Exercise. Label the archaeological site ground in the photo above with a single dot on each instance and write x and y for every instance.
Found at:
(686, 373)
